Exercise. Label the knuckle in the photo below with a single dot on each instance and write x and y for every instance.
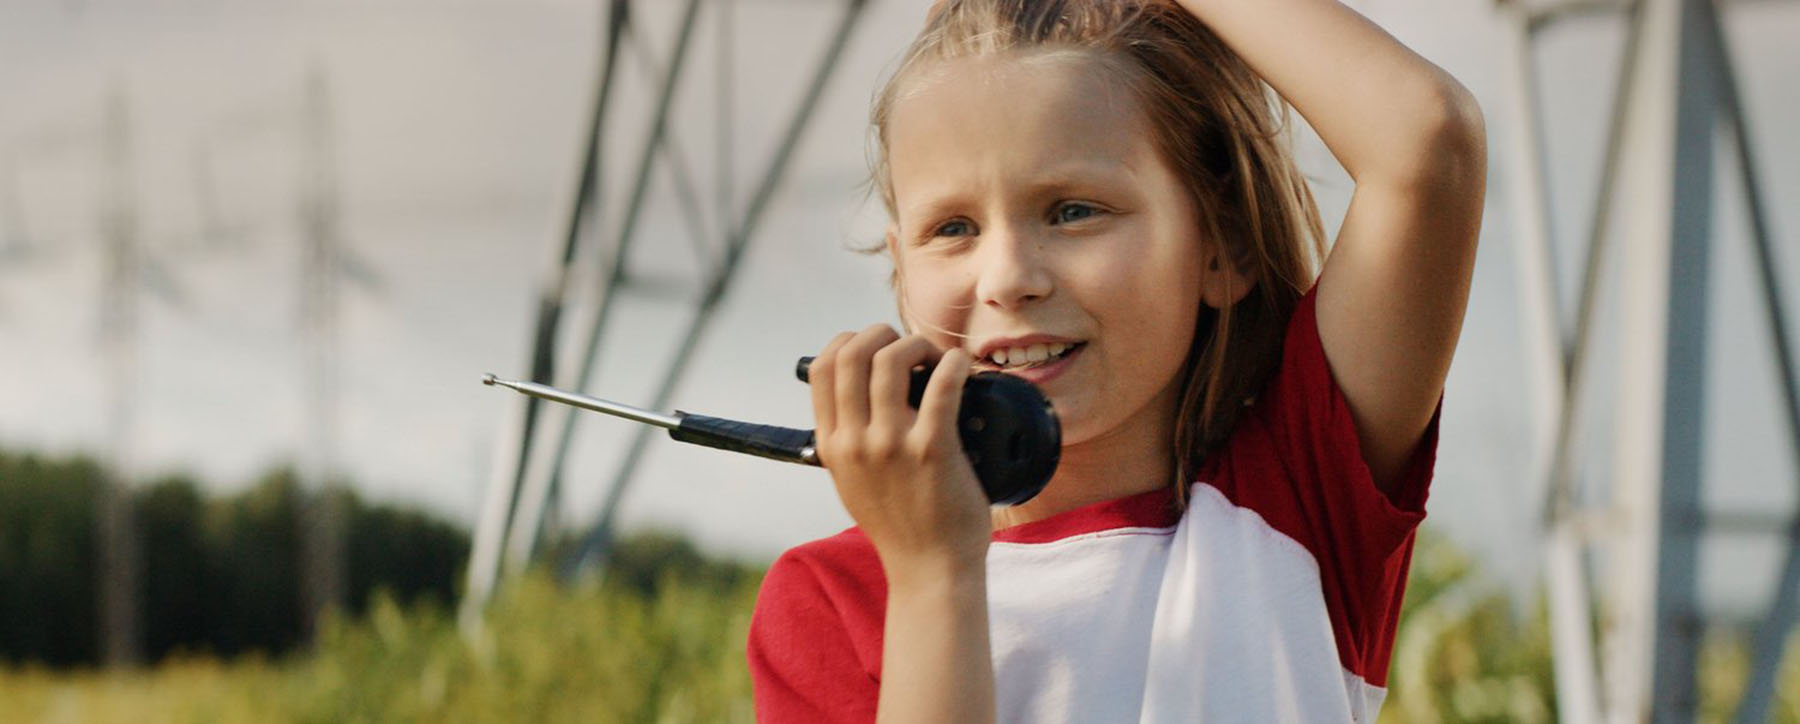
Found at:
(842, 447)
(908, 350)
(893, 355)
(917, 450)
(924, 442)
(837, 342)
(859, 348)
(886, 354)
(880, 448)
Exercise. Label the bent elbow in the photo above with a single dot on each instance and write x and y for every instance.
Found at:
(1452, 139)
(1459, 135)
(1444, 142)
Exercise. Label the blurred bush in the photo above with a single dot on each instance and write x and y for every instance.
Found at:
(220, 575)
(594, 651)
(1464, 652)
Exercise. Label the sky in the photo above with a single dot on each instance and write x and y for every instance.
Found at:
(456, 130)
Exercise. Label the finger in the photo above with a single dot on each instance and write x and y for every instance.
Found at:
(943, 398)
(852, 386)
(820, 377)
(890, 381)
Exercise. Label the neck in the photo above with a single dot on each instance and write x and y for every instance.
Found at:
(1129, 459)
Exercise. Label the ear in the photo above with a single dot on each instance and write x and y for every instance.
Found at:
(892, 241)
(1221, 283)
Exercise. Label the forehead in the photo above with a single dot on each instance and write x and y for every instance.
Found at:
(1013, 114)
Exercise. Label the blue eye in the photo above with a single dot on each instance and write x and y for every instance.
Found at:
(956, 227)
(1072, 212)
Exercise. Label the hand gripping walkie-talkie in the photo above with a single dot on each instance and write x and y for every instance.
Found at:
(1008, 429)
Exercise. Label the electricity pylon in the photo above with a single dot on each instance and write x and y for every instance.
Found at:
(326, 261)
(535, 439)
(304, 117)
(127, 273)
(120, 554)
(1676, 91)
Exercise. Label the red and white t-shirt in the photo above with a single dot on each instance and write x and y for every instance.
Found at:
(1273, 597)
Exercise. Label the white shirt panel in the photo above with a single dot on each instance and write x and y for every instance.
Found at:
(1217, 619)
(1070, 623)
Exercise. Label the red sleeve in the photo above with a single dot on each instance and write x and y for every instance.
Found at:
(1295, 458)
(814, 646)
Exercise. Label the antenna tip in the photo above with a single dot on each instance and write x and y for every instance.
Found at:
(488, 379)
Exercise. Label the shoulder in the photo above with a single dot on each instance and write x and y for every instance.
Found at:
(815, 638)
(833, 583)
(845, 559)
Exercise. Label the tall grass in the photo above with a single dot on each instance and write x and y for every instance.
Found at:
(592, 652)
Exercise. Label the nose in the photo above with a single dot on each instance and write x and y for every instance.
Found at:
(1012, 269)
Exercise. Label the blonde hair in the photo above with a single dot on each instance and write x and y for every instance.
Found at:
(1219, 127)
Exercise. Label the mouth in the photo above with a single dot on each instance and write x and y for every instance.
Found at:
(1028, 357)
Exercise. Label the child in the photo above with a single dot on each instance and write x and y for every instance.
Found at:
(1098, 196)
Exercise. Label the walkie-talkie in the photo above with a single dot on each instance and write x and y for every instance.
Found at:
(1008, 429)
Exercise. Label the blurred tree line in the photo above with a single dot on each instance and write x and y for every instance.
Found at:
(658, 638)
(220, 574)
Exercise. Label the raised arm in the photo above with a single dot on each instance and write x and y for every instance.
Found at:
(1392, 294)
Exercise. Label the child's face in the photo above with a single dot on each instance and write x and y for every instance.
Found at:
(1035, 212)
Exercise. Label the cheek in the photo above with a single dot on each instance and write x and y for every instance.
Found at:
(934, 302)
(1148, 283)
(1156, 309)
(1159, 310)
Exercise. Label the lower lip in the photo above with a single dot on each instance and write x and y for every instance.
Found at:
(1042, 375)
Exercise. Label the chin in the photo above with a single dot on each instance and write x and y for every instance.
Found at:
(1078, 426)
(1090, 418)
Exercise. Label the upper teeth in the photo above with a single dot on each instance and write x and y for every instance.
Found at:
(1016, 356)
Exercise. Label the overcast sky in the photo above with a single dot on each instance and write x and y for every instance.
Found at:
(456, 134)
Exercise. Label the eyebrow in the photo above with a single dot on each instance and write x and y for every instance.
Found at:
(1072, 176)
(1064, 178)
